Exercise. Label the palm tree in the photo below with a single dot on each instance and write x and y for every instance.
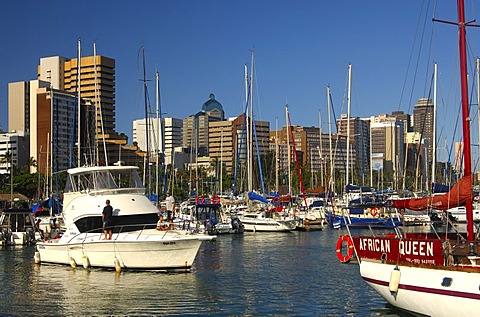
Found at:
(6, 159)
(31, 163)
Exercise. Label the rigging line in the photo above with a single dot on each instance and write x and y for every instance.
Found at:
(410, 62)
(418, 61)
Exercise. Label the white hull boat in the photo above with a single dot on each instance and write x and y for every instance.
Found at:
(140, 250)
(431, 274)
(135, 243)
(431, 292)
(258, 222)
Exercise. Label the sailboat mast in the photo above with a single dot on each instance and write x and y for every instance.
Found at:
(331, 178)
(250, 143)
(221, 161)
(79, 73)
(467, 172)
(320, 146)
(277, 160)
(434, 142)
(288, 151)
(348, 121)
(159, 131)
(147, 124)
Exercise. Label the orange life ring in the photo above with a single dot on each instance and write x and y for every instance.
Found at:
(199, 200)
(374, 211)
(215, 199)
(340, 256)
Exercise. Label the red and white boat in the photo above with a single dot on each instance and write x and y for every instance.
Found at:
(426, 273)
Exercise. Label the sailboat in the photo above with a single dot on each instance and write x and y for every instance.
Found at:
(433, 275)
(257, 217)
(359, 205)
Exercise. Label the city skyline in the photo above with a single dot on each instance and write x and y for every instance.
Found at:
(201, 48)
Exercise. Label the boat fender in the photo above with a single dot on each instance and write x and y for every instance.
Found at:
(36, 257)
(118, 267)
(394, 280)
(374, 211)
(344, 258)
(85, 261)
(72, 262)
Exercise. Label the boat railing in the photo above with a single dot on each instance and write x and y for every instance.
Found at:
(137, 230)
(113, 191)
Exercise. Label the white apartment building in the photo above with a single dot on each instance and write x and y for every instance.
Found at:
(14, 145)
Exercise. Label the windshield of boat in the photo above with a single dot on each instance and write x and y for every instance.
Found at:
(103, 180)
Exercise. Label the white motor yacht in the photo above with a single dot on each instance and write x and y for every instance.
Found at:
(135, 244)
(259, 221)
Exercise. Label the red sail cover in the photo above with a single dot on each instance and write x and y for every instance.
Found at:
(457, 196)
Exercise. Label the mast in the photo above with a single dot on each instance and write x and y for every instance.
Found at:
(348, 121)
(465, 114)
(250, 129)
(478, 97)
(288, 151)
(79, 73)
(331, 179)
(434, 142)
(157, 150)
(147, 124)
(221, 161)
(320, 146)
(277, 161)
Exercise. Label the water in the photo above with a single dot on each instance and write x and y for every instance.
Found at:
(255, 274)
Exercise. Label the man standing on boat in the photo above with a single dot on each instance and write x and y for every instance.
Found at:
(107, 219)
(170, 206)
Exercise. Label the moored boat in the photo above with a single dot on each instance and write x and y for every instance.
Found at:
(432, 275)
(17, 227)
(135, 244)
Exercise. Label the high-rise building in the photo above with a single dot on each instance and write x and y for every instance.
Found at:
(387, 134)
(14, 145)
(97, 84)
(423, 116)
(170, 135)
(359, 141)
(227, 141)
(49, 115)
(195, 127)
(221, 143)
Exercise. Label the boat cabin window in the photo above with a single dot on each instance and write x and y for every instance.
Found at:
(120, 223)
(204, 212)
(16, 222)
(103, 180)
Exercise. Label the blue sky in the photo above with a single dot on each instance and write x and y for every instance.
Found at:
(200, 47)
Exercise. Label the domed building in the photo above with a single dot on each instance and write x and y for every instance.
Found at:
(195, 127)
(213, 108)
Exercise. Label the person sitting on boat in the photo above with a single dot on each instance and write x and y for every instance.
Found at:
(107, 219)
(161, 225)
(37, 227)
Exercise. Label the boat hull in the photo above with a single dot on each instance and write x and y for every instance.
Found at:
(431, 292)
(267, 225)
(138, 252)
(362, 221)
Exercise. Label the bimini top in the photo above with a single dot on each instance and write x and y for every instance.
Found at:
(90, 169)
(103, 178)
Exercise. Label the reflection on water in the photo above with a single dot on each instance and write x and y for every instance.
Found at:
(254, 274)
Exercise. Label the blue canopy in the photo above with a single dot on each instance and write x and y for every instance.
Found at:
(354, 188)
(254, 196)
(440, 188)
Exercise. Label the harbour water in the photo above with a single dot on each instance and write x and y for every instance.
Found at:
(254, 274)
